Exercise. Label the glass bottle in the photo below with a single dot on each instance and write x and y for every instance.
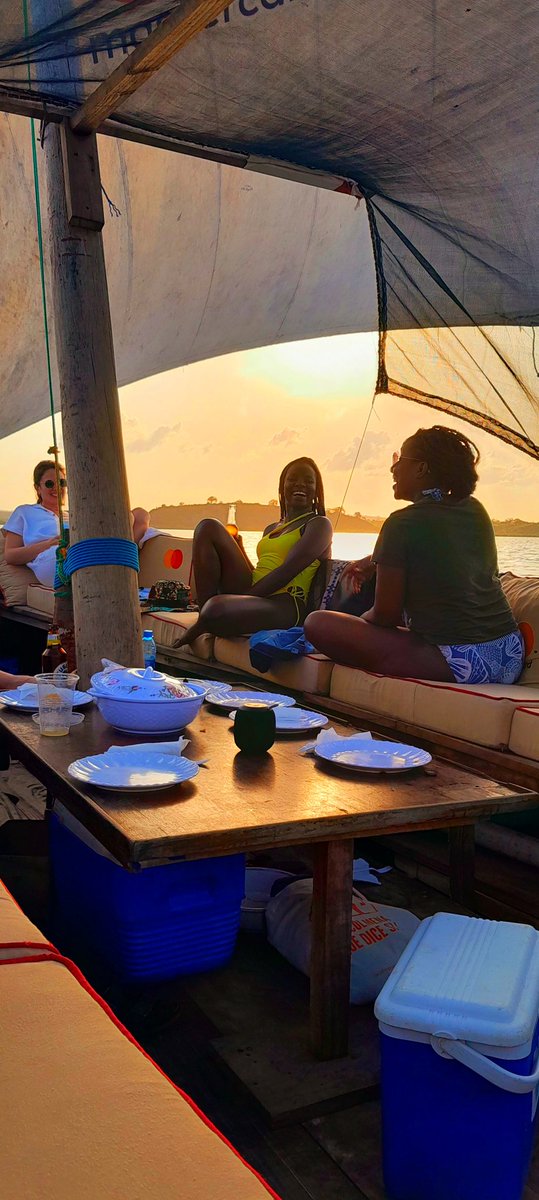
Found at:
(54, 657)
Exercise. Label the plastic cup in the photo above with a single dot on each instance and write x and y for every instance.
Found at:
(55, 700)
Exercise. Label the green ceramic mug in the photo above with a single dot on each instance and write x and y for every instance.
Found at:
(254, 727)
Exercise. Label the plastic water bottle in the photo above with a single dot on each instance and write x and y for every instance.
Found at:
(149, 648)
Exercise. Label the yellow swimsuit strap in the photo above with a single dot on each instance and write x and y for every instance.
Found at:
(283, 524)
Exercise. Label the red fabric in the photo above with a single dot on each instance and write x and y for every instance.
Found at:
(71, 966)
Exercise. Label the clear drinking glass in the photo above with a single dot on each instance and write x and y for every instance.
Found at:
(55, 699)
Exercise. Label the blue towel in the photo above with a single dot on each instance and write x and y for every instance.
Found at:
(273, 645)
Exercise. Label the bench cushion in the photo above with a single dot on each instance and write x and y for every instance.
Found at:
(523, 595)
(16, 929)
(167, 627)
(14, 581)
(310, 673)
(40, 599)
(525, 733)
(165, 557)
(477, 713)
(88, 1113)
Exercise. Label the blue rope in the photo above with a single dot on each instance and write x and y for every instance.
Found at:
(98, 552)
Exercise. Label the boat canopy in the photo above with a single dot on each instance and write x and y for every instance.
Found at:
(425, 112)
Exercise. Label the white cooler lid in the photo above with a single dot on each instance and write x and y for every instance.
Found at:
(468, 978)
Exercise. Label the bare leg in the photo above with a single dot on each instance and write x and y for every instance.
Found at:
(141, 523)
(219, 565)
(354, 642)
(231, 616)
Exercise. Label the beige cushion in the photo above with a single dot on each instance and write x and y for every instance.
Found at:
(155, 563)
(165, 557)
(14, 581)
(525, 733)
(15, 927)
(310, 673)
(40, 599)
(523, 596)
(168, 626)
(480, 713)
(87, 1115)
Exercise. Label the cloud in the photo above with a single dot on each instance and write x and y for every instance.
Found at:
(371, 452)
(141, 445)
(285, 437)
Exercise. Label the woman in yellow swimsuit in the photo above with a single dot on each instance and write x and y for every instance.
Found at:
(234, 597)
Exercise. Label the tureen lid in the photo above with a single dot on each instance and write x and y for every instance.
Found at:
(140, 683)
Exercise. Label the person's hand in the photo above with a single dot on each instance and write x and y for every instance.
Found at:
(357, 573)
(53, 541)
(20, 679)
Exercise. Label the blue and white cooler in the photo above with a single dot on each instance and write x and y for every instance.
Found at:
(459, 1031)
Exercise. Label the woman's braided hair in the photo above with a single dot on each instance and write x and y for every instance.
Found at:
(318, 502)
(451, 457)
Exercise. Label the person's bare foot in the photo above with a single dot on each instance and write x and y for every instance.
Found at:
(188, 636)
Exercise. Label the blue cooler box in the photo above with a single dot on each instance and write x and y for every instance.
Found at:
(151, 924)
(458, 1020)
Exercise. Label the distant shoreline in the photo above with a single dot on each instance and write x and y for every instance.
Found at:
(254, 517)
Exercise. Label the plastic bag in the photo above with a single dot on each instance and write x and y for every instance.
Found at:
(379, 935)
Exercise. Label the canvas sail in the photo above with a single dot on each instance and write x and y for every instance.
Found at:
(428, 112)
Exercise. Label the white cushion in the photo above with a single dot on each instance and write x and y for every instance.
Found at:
(86, 1114)
(308, 673)
(480, 713)
(168, 626)
(525, 733)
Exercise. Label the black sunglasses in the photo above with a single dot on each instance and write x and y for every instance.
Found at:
(50, 483)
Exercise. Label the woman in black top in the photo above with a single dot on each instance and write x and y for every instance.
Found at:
(439, 610)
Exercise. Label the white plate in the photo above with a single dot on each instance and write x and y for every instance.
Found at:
(148, 733)
(211, 685)
(362, 754)
(296, 720)
(75, 719)
(232, 699)
(132, 769)
(28, 704)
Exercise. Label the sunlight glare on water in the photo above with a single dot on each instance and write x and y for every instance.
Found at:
(517, 554)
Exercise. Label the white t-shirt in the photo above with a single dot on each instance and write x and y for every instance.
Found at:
(34, 523)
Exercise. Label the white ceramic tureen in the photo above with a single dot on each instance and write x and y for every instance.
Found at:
(141, 700)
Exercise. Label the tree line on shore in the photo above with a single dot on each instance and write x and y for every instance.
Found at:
(257, 516)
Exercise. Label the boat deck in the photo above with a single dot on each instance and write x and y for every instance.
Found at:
(190, 1028)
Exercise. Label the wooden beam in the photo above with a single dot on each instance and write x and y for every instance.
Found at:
(175, 32)
(25, 105)
(331, 932)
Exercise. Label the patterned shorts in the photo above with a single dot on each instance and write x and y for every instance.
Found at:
(499, 661)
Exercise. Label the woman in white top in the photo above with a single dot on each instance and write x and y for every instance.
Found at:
(32, 532)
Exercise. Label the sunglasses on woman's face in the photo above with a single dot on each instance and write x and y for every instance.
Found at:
(51, 483)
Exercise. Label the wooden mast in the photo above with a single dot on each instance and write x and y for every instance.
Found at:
(105, 598)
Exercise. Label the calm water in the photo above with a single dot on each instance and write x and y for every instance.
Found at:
(520, 555)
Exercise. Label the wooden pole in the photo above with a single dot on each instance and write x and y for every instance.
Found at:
(105, 598)
(331, 932)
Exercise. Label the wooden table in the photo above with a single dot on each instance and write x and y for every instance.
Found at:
(283, 799)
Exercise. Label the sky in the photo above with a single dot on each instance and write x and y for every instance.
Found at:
(227, 426)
